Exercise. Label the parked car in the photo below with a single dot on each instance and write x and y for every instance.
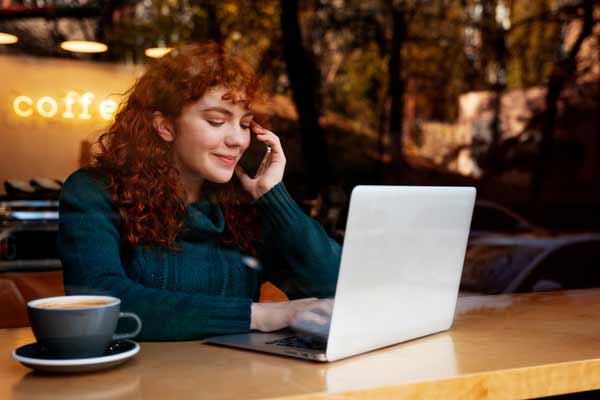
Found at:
(526, 263)
(507, 254)
(493, 218)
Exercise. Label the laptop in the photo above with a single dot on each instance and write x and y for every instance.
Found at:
(400, 270)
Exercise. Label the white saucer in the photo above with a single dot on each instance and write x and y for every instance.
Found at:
(119, 351)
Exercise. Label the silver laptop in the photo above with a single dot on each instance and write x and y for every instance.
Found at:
(400, 271)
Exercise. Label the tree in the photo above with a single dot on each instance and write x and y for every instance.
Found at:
(562, 72)
(304, 81)
(397, 11)
(532, 40)
(206, 22)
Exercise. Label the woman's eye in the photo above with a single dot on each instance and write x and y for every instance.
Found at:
(245, 127)
(215, 123)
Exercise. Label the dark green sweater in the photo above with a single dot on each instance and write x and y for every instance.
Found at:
(204, 290)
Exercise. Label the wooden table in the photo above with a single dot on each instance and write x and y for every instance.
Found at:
(500, 347)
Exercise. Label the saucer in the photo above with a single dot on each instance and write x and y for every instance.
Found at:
(118, 351)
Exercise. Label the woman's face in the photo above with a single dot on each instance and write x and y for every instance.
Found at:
(211, 136)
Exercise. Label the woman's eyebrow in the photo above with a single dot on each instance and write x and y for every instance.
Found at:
(227, 112)
(219, 109)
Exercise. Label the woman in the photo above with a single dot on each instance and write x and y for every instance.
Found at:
(161, 223)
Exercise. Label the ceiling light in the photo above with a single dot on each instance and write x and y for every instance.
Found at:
(157, 52)
(7, 38)
(83, 46)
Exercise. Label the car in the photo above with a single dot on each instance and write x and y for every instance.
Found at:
(507, 253)
(529, 263)
(491, 218)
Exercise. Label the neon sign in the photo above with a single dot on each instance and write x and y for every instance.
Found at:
(73, 106)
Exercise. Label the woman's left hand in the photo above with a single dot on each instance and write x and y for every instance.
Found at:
(269, 175)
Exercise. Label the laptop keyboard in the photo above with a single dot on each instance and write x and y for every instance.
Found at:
(302, 341)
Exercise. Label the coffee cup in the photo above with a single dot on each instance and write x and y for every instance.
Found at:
(77, 326)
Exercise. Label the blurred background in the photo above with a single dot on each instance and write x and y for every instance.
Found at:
(503, 95)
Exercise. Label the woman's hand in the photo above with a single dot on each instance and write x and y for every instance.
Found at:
(267, 317)
(318, 311)
(269, 175)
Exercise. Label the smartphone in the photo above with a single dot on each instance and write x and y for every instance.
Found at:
(265, 161)
(256, 158)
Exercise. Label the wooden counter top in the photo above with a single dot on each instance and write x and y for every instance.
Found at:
(507, 346)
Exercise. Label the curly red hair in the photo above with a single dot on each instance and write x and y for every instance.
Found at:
(142, 180)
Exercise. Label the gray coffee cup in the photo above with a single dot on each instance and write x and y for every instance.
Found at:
(77, 326)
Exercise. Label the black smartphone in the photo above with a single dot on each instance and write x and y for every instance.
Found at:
(256, 157)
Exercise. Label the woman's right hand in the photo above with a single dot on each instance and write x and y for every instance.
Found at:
(267, 317)
(272, 173)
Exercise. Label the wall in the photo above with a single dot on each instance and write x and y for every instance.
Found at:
(37, 146)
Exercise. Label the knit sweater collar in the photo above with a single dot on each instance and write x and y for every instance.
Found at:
(204, 219)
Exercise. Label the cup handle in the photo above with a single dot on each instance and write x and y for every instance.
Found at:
(129, 335)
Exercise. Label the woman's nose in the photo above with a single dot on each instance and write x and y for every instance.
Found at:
(236, 137)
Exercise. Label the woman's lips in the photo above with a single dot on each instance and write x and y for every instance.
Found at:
(227, 160)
